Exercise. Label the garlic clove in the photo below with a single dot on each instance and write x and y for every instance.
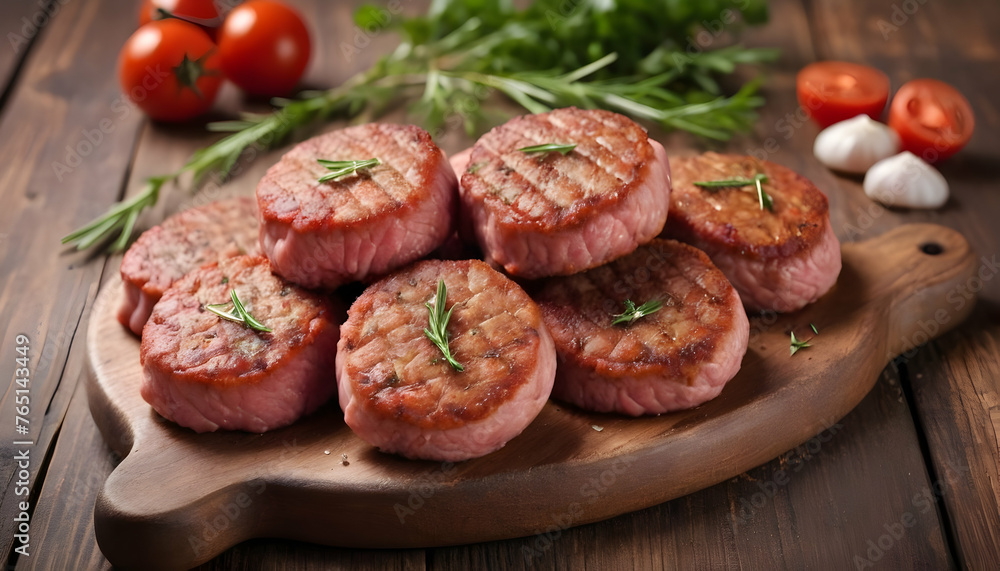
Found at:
(906, 180)
(855, 145)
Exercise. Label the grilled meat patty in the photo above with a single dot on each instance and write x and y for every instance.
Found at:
(675, 358)
(361, 225)
(206, 373)
(543, 214)
(401, 395)
(780, 259)
(183, 242)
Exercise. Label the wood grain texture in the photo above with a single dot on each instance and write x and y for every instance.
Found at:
(953, 382)
(953, 392)
(811, 508)
(20, 25)
(81, 462)
(44, 291)
(214, 490)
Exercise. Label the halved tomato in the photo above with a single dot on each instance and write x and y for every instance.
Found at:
(932, 118)
(833, 91)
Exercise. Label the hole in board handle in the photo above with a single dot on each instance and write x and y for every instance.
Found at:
(931, 248)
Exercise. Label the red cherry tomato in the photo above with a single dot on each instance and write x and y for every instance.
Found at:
(264, 47)
(832, 91)
(170, 70)
(932, 118)
(203, 13)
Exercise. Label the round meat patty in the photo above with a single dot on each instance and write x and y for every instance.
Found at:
(779, 259)
(674, 358)
(400, 394)
(364, 224)
(183, 242)
(544, 214)
(205, 372)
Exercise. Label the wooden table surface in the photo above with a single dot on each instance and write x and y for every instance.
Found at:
(909, 479)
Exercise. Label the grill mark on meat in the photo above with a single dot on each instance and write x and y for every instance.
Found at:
(731, 217)
(553, 189)
(206, 373)
(579, 305)
(405, 375)
(613, 137)
(576, 174)
(377, 191)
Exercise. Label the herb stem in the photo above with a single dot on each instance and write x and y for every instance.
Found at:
(238, 314)
(632, 313)
(437, 321)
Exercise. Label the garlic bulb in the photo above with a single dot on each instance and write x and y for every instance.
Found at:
(855, 145)
(906, 180)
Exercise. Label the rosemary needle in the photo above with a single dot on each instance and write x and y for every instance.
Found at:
(763, 198)
(797, 344)
(438, 325)
(341, 169)
(549, 147)
(633, 313)
(238, 314)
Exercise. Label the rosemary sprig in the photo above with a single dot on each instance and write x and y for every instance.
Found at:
(121, 215)
(343, 168)
(549, 147)
(797, 343)
(763, 198)
(238, 314)
(633, 313)
(438, 323)
(454, 58)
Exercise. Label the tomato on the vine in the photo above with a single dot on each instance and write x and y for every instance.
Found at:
(264, 47)
(834, 91)
(170, 70)
(203, 13)
(932, 118)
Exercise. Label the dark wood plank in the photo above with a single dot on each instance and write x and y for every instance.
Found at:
(550, 470)
(78, 469)
(815, 507)
(22, 24)
(67, 496)
(836, 498)
(43, 291)
(954, 381)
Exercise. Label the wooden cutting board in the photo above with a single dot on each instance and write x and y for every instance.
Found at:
(179, 498)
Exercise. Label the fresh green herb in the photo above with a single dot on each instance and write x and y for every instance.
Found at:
(816, 331)
(121, 215)
(633, 57)
(762, 197)
(729, 182)
(798, 344)
(343, 168)
(238, 314)
(633, 313)
(438, 322)
(548, 148)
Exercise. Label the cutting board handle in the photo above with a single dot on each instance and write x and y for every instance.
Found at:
(927, 274)
(180, 498)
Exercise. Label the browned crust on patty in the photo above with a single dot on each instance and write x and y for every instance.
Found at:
(400, 374)
(198, 346)
(697, 312)
(290, 192)
(189, 239)
(550, 191)
(731, 218)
